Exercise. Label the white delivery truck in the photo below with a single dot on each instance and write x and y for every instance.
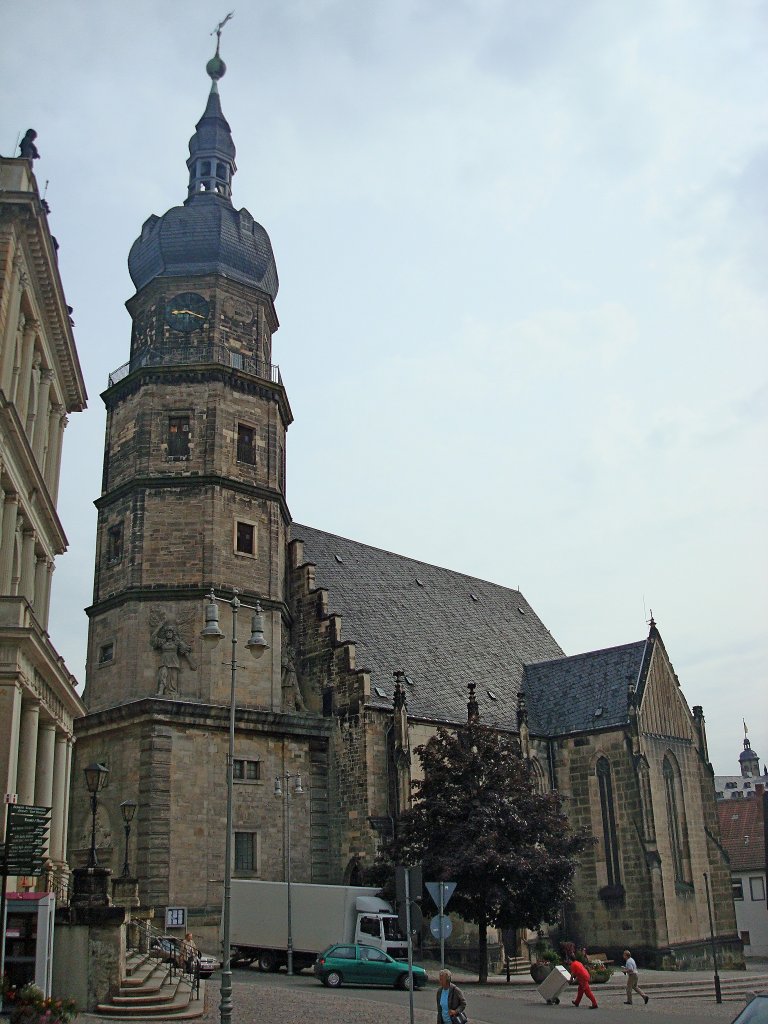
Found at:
(320, 916)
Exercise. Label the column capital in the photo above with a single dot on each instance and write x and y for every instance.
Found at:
(47, 376)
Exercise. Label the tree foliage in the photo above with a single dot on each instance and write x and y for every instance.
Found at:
(478, 820)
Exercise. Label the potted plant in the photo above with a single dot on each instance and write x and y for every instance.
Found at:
(546, 958)
(28, 1005)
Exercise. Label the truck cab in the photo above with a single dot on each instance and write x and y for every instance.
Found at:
(381, 930)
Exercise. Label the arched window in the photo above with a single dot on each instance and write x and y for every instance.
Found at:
(608, 814)
(646, 802)
(676, 822)
(537, 776)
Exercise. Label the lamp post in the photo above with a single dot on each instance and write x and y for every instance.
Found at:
(256, 644)
(95, 779)
(127, 809)
(285, 793)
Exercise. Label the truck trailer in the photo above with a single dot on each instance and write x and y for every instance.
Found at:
(320, 916)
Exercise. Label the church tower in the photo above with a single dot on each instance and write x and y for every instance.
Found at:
(193, 498)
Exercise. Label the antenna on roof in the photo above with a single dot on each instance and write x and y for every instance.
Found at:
(45, 190)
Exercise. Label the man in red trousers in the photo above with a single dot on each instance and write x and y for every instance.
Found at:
(580, 974)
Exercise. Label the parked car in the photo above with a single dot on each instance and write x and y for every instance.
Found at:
(168, 947)
(364, 965)
(208, 964)
(755, 1012)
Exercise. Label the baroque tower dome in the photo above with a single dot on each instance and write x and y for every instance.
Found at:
(206, 235)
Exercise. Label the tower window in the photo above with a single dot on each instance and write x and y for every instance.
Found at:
(178, 437)
(115, 543)
(205, 167)
(246, 447)
(106, 653)
(245, 538)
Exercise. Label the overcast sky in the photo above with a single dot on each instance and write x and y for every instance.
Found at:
(522, 250)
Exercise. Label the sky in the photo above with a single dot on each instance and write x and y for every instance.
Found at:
(522, 254)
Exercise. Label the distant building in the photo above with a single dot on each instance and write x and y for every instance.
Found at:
(40, 382)
(744, 785)
(194, 497)
(742, 828)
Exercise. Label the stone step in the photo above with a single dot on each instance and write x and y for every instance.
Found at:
(164, 993)
(144, 973)
(181, 1007)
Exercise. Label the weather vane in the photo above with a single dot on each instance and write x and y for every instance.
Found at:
(219, 27)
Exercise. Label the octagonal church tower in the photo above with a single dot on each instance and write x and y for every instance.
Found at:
(193, 497)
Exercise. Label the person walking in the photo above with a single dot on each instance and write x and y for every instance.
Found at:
(450, 1001)
(630, 969)
(580, 975)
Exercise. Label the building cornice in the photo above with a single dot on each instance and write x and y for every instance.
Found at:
(183, 592)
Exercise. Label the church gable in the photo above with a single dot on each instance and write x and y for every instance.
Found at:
(662, 709)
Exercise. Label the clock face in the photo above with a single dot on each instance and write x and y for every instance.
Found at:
(186, 312)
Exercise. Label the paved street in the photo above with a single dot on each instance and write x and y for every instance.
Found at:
(302, 1000)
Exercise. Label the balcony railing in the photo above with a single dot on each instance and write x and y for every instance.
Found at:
(184, 355)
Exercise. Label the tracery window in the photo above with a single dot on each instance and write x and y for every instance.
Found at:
(676, 822)
(608, 814)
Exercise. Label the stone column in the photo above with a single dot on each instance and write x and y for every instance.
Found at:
(46, 750)
(67, 785)
(41, 585)
(53, 461)
(10, 512)
(27, 584)
(58, 850)
(10, 724)
(13, 324)
(46, 612)
(21, 385)
(40, 431)
(30, 715)
(34, 394)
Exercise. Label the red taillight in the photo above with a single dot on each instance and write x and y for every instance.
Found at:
(321, 961)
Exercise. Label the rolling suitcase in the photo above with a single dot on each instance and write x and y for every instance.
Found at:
(554, 983)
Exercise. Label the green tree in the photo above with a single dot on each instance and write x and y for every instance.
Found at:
(477, 820)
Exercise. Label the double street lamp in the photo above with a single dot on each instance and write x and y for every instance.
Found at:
(95, 780)
(285, 793)
(256, 644)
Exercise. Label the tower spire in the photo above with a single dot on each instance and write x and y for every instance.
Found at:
(211, 160)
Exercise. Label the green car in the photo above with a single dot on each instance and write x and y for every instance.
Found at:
(364, 965)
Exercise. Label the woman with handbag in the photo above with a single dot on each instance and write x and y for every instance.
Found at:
(450, 1001)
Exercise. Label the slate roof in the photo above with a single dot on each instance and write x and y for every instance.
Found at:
(740, 819)
(405, 614)
(583, 692)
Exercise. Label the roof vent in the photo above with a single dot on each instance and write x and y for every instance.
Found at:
(598, 712)
(492, 695)
(474, 597)
(419, 583)
(409, 681)
(339, 559)
(521, 610)
(379, 692)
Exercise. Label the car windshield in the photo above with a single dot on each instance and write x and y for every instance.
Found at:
(755, 1012)
(392, 930)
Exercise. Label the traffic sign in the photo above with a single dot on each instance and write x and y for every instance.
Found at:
(441, 926)
(433, 888)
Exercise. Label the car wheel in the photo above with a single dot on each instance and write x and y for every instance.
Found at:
(267, 962)
(333, 979)
(403, 982)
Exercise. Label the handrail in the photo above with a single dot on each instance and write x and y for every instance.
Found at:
(185, 355)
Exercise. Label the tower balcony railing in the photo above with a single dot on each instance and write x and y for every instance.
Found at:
(184, 355)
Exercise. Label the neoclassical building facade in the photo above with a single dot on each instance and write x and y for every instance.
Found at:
(194, 498)
(40, 384)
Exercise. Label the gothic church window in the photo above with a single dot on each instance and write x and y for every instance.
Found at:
(646, 802)
(115, 544)
(178, 437)
(676, 823)
(608, 815)
(246, 444)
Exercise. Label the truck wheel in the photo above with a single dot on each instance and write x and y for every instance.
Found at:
(333, 979)
(267, 962)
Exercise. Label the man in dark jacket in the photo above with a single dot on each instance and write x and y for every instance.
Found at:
(450, 999)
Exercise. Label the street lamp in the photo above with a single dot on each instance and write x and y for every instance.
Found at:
(127, 809)
(256, 644)
(95, 779)
(285, 793)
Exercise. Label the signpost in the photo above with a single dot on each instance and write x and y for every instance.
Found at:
(441, 927)
(23, 852)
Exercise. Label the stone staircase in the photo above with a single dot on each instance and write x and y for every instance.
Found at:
(735, 986)
(150, 991)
